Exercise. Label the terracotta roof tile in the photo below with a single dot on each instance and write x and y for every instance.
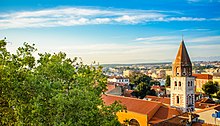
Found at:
(202, 76)
(216, 107)
(127, 93)
(135, 105)
(206, 100)
(179, 120)
(110, 87)
(200, 105)
(182, 56)
(164, 100)
(164, 112)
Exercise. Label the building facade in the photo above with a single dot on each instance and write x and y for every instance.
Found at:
(182, 81)
(200, 80)
(118, 79)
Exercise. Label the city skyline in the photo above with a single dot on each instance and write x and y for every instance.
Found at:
(114, 32)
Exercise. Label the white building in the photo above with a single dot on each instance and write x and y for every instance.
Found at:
(118, 79)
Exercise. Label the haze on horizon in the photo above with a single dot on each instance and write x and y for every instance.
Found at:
(114, 31)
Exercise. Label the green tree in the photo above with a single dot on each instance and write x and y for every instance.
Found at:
(154, 82)
(54, 90)
(144, 89)
(137, 78)
(218, 95)
(167, 82)
(210, 88)
(143, 83)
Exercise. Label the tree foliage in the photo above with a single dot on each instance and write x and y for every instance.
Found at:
(167, 82)
(54, 90)
(143, 83)
(218, 95)
(210, 88)
(154, 82)
(137, 78)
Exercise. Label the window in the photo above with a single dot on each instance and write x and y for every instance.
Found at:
(134, 122)
(177, 71)
(179, 83)
(191, 83)
(175, 83)
(177, 99)
(188, 83)
(189, 100)
(184, 71)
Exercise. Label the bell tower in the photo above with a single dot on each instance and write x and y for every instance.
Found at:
(182, 81)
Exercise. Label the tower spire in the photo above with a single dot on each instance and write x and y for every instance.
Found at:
(182, 62)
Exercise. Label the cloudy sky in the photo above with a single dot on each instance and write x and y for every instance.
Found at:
(114, 31)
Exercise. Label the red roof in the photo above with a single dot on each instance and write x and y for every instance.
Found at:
(206, 100)
(164, 100)
(155, 111)
(202, 76)
(110, 87)
(203, 105)
(127, 93)
(163, 113)
(216, 107)
(135, 105)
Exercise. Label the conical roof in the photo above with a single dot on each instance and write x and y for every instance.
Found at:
(182, 57)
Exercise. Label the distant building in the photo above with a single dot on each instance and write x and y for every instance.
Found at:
(182, 81)
(201, 79)
(161, 74)
(118, 79)
(127, 73)
(216, 78)
(169, 72)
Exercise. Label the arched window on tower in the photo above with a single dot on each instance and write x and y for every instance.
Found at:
(190, 100)
(189, 70)
(175, 83)
(191, 83)
(188, 83)
(177, 71)
(184, 71)
(179, 83)
(177, 99)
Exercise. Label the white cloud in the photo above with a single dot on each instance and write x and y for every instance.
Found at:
(197, 29)
(170, 39)
(216, 19)
(205, 39)
(185, 19)
(156, 38)
(114, 53)
(71, 16)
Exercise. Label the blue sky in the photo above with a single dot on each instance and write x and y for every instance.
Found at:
(114, 31)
